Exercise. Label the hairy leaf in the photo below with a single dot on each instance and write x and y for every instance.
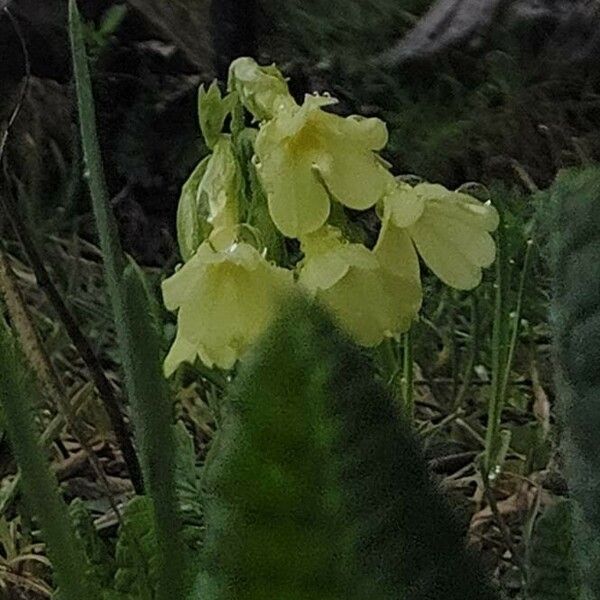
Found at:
(315, 487)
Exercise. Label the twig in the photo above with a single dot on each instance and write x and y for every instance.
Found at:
(83, 346)
(138, 338)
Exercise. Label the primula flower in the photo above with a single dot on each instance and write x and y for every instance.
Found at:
(449, 229)
(369, 301)
(262, 90)
(305, 154)
(226, 295)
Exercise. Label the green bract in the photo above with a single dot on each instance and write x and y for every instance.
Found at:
(212, 112)
(192, 215)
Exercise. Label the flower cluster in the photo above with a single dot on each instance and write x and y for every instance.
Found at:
(296, 167)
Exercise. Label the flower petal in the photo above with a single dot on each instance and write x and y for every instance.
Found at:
(353, 174)
(404, 205)
(371, 133)
(177, 288)
(396, 252)
(298, 203)
(452, 235)
(370, 304)
(469, 210)
(368, 301)
(328, 258)
(355, 301)
(181, 351)
(322, 272)
(453, 250)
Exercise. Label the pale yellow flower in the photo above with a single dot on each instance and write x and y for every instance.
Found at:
(226, 295)
(262, 90)
(306, 154)
(451, 231)
(369, 302)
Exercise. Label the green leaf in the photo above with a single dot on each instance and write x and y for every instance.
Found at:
(188, 488)
(213, 109)
(101, 566)
(112, 19)
(137, 551)
(108, 233)
(574, 246)
(152, 419)
(316, 489)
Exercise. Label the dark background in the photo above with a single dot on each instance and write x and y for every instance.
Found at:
(479, 91)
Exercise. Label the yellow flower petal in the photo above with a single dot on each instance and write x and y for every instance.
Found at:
(452, 237)
(470, 211)
(298, 203)
(479, 214)
(181, 351)
(287, 148)
(447, 261)
(369, 302)
(298, 143)
(177, 288)
(396, 252)
(359, 302)
(404, 205)
(398, 258)
(351, 169)
(371, 132)
(327, 258)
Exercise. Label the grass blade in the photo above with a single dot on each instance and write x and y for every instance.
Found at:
(138, 342)
(40, 486)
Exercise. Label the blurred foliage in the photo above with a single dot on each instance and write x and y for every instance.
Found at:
(553, 566)
(362, 28)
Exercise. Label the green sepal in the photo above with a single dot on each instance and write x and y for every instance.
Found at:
(213, 109)
(192, 215)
